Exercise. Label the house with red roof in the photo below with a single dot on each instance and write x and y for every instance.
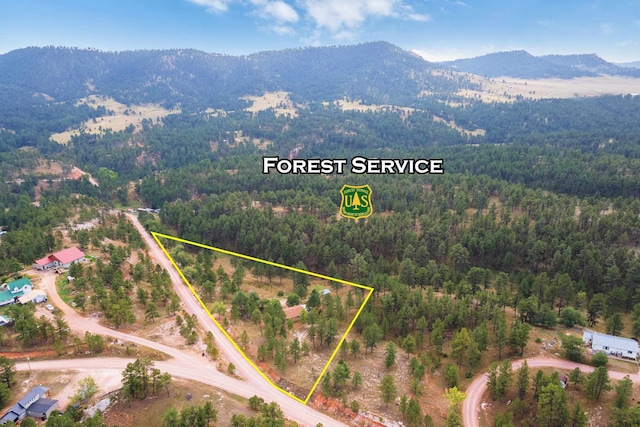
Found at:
(64, 259)
(294, 312)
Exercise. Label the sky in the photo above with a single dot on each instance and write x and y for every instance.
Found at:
(439, 30)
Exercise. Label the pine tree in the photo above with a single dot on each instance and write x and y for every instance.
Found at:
(388, 390)
(624, 390)
(500, 333)
(597, 382)
(578, 417)
(390, 357)
(552, 406)
(523, 380)
(492, 380)
(504, 379)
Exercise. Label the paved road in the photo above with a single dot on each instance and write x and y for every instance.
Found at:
(475, 391)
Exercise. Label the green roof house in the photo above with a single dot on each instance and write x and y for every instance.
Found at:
(15, 289)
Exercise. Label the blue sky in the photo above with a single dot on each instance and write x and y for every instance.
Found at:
(438, 29)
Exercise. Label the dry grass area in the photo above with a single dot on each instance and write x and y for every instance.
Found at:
(298, 378)
(48, 167)
(506, 89)
(371, 367)
(122, 118)
(452, 124)
(357, 105)
(239, 137)
(279, 101)
(149, 412)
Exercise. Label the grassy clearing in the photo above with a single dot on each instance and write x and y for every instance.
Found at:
(64, 289)
(121, 118)
(279, 101)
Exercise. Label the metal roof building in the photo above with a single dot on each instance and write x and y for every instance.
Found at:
(610, 344)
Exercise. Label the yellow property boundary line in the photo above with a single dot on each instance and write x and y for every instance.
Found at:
(157, 237)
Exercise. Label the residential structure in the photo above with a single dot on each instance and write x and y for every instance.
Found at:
(64, 259)
(36, 296)
(36, 403)
(294, 312)
(610, 344)
(15, 290)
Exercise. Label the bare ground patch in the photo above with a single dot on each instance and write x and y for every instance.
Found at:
(279, 101)
(122, 117)
(150, 412)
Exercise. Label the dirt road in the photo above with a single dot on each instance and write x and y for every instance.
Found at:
(254, 382)
(184, 364)
(475, 391)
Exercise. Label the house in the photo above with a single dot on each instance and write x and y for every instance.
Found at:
(64, 259)
(15, 289)
(610, 344)
(4, 320)
(294, 312)
(42, 408)
(36, 403)
(36, 296)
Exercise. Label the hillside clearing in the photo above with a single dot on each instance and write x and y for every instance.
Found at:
(279, 101)
(122, 117)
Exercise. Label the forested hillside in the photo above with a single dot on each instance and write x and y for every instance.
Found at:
(534, 224)
(522, 64)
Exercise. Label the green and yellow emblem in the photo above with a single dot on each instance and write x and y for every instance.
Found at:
(356, 201)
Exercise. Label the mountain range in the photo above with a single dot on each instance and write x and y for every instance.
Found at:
(521, 64)
(32, 79)
(373, 72)
(633, 64)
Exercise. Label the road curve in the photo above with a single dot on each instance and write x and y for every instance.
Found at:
(204, 374)
(183, 363)
(475, 391)
(253, 383)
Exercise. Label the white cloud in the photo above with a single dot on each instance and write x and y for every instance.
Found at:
(213, 6)
(418, 17)
(278, 10)
(340, 18)
(283, 30)
(337, 14)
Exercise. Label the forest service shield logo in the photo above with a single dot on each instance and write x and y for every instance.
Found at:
(356, 201)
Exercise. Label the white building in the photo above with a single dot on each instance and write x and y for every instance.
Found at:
(610, 344)
(36, 296)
